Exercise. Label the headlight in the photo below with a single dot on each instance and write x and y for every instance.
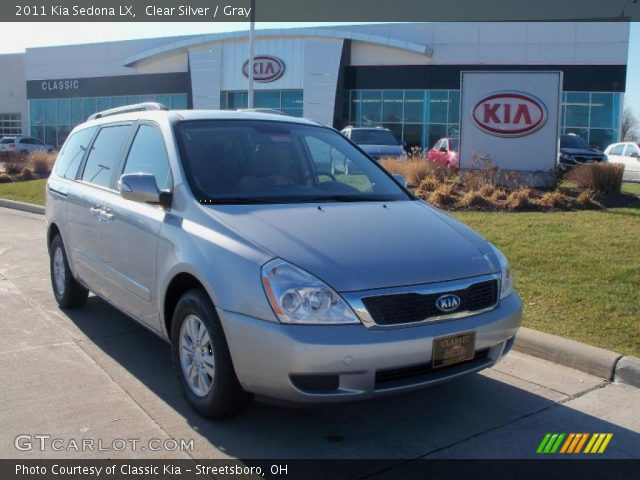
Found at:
(506, 281)
(298, 297)
(566, 157)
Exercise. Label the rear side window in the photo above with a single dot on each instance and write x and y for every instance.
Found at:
(617, 150)
(72, 153)
(631, 149)
(104, 155)
(148, 155)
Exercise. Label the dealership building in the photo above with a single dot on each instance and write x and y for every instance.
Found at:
(405, 77)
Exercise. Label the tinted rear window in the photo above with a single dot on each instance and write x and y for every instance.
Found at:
(373, 137)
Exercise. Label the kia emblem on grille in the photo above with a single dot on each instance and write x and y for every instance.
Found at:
(448, 303)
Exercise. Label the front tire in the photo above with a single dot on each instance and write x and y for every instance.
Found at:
(202, 360)
(67, 291)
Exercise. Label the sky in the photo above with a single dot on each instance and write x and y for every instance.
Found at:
(13, 39)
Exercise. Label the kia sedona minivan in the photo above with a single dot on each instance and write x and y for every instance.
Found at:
(224, 233)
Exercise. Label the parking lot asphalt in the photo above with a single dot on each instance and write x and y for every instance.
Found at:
(94, 373)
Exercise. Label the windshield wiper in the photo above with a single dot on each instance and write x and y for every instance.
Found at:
(348, 198)
(239, 201)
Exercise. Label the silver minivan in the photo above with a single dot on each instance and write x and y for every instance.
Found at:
(225, 234)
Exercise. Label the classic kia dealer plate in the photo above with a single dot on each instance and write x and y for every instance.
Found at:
(453, 349)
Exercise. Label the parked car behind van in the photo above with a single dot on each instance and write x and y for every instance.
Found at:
(269, 275)
(24, 144)
(628, 155)
(574, 150)
(445, 153)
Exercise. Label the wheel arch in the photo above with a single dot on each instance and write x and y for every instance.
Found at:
(52, 231)
(180, 284)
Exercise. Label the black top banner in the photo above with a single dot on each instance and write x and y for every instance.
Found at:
(317, 10)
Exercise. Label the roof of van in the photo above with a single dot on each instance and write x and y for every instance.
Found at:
(179, 115)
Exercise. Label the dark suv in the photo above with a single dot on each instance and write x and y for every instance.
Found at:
(575, 151)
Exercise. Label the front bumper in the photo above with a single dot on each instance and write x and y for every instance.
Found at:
(267, 355)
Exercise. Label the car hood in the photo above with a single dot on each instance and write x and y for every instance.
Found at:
(582, 151)
(380, 150)
(364, 245)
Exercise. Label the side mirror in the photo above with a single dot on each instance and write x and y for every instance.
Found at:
(400, 179)
(634, 154)
(142, 187)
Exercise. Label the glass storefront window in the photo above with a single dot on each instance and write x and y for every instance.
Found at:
(592, 115)
(179, 102)
(414, 106)
(438, 106)
(392, 106)
(454, 106)
(288, 102)
(103, 103)
(50, 111)
(601, 110)
(118, 102)
(63, 111)
(52, 120)
(371, 107)
(412, 135)
(577, 109)
(36, 112)
(264, 99)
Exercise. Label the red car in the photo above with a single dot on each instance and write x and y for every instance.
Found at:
(445, 152)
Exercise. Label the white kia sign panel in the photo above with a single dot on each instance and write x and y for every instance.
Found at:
(511, 120)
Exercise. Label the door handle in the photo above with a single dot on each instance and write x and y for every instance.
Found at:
(95, 211)
(106, 214)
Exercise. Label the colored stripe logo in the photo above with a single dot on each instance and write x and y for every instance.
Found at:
(574, 443)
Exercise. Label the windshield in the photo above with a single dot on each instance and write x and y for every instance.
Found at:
(245, 161)
(373, 137)
(571, 141)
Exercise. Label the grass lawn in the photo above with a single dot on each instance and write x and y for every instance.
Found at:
(30, 192)
(578, 273)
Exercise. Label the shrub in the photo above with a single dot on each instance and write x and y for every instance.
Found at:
(598, 177)
(519, 199)
(27, 174)
(41, 162)
(553, 199)
(587, 199)
(499, 195)
(415, 170)
(5, 179)
(473, 198)
(428, 185)
(487, 190)
(14, 168)
(442, 196)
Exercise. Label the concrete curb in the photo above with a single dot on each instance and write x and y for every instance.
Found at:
(628, 371)
(596, 361)
(25, 207)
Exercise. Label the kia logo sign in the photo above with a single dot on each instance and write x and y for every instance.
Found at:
(265, 68)
(509, 114)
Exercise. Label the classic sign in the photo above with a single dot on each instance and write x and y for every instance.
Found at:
(509, 114)
(265, 68)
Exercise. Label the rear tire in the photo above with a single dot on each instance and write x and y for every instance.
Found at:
(202, 361)
(67, 291)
